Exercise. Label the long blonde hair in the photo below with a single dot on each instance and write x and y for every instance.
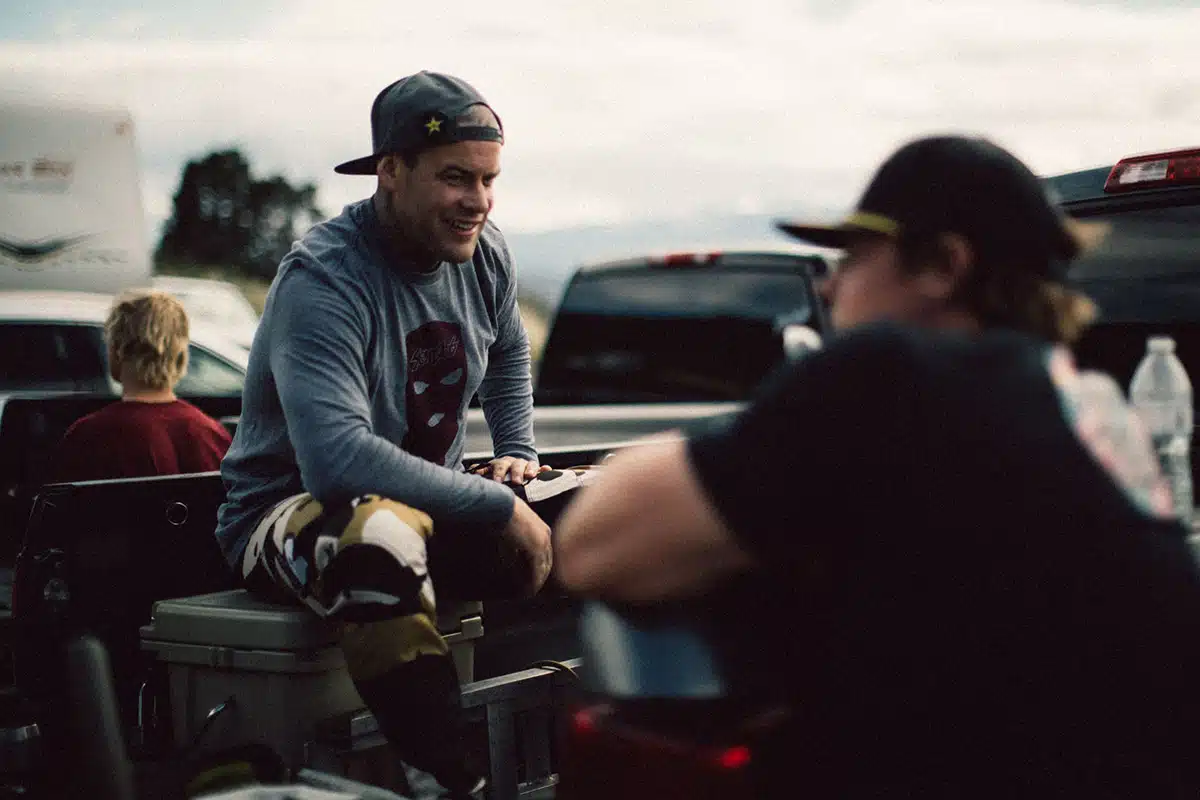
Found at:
(1022, 301)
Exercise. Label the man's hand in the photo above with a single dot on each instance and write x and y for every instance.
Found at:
(531, 537)
(511, 468)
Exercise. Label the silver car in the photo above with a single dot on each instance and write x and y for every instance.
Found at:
(214, 302)
(53, 341)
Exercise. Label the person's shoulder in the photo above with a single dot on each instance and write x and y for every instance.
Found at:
(114, 413)
(81, 450)
(83, 426)
(951, 349)
(860, 362)
(914, 358)
(330, 250)
(980, 359)
(197, 424)
(331, 263)
(491, 237)
(886, 342)
(113, 420)
(493, 248)
(340, 231)
(195, 415)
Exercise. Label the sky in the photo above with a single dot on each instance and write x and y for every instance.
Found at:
(626, 110)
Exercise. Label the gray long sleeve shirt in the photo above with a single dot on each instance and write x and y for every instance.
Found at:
(360, 376)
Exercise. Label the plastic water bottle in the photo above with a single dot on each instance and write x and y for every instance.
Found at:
(1161, 393)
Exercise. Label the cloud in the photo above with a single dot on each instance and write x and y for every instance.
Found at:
(624, 110)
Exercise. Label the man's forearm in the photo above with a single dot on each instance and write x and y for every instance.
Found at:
(358, 462)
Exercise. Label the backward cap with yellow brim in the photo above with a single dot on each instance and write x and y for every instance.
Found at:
(420, 111)
(968, 186)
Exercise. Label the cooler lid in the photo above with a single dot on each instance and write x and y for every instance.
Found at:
(237, 619)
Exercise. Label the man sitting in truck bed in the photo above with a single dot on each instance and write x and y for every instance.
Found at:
(968, 541)
(149, 431)
(378, 329)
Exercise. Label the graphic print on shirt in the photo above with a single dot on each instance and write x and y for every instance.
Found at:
(1109, 428)
(433, 394)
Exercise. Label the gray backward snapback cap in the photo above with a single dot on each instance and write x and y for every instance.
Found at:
(418, 112)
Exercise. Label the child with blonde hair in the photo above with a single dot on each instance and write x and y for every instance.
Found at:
(150, 431)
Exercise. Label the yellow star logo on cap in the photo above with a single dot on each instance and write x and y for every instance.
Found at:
(434, 125)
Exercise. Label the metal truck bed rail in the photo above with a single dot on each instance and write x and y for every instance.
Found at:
(519, 712)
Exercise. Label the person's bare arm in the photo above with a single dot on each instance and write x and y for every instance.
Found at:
(645, 531)
(781, 487)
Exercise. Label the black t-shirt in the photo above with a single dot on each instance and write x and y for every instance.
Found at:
(975, 588)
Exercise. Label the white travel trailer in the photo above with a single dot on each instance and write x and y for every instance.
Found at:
(71, 214)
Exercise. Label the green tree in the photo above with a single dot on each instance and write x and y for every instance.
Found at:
(223, 215)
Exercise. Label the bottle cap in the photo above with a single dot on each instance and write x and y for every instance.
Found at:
(1160, 344)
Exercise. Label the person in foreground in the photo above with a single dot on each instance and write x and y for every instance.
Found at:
(149, 431)
(380, 326)
(968, 541)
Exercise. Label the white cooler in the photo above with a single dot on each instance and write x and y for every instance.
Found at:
(280, 664)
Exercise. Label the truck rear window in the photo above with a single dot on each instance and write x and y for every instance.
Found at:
(667, 335)
(1145, 278)
(757, 295)
(1149, 265)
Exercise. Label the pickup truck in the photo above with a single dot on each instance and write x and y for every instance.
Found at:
(1145, 276)
(54, 369)
(98, 555)
(689, 336)
(643, 345)
(638, 347)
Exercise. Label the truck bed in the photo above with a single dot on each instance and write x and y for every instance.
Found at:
(584, 425)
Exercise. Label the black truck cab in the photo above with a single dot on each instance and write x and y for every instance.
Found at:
(1144, 276)
(686, 327)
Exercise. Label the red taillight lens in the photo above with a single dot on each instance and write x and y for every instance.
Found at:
(605, 757)
(734, 758)
(1177, 168)
(583, 721)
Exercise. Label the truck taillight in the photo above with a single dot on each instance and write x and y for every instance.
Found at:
(734, 757)
(1177, 168)
(584, 721)
(587, 723)
(688, 259)
(603, 757)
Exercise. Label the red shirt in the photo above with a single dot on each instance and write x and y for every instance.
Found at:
(132, 439)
